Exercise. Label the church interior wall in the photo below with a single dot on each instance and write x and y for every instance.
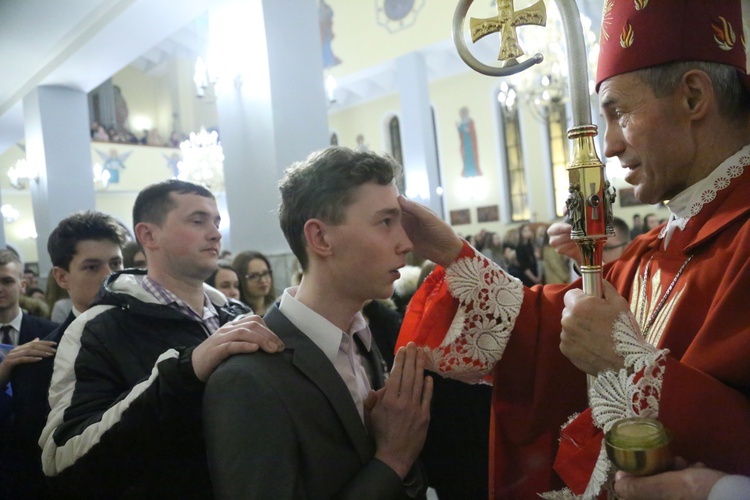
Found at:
(361, 30)
(140, 92)
(168, 100)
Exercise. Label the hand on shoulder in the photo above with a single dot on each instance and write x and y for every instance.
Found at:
(246, 333)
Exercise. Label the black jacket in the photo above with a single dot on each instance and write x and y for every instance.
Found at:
(125, 419)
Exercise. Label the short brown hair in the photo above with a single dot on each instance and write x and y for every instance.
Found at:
(321, 187)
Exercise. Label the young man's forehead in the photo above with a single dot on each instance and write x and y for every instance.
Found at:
(84, 248)
(11, 268)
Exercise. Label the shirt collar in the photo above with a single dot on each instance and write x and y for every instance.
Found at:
(16, 323)
(689, 202)
(168, 298)
(322, 332)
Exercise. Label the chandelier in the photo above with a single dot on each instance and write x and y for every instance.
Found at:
(9, 213)
(202, 160)
(545, 85)
(22, 173)
(101, 176)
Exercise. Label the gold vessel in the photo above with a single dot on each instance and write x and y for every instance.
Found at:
(639, 445)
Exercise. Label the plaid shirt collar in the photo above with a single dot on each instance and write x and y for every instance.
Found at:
(165, 297)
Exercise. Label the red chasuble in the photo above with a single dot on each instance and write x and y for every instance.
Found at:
(702, 384)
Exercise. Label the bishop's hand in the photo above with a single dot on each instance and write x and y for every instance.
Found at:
(432, 238)
(586, 337)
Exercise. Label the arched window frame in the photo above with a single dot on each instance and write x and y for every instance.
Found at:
(559, 153)
(516, 189)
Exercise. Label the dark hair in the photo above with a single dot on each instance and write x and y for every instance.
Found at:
(732, 98)
(621, 228)
(129, 251)
(62, 244)
(240, 263)
(645, 227)
(154, 202)
(521, 240)
(321, 187)
(211, 280)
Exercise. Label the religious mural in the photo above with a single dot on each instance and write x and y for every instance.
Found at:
(468, 136)
(325, 18)
(113, 163)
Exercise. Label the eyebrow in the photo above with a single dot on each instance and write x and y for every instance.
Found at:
(395, 212)
(607, 102)
(93, 261)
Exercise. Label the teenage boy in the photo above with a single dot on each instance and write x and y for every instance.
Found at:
(311, 417)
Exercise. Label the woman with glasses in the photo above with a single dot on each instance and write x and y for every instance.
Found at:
(256, 280)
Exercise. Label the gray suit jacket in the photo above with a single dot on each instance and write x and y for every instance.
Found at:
(283, 426)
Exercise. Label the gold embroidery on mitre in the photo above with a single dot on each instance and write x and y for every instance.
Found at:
(640, 4)
(607, 18)
(627, 36)
(723, 34)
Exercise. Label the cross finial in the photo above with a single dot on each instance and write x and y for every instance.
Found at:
(506, 22)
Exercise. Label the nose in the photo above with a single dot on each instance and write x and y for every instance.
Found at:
(404, 244)
(614, 142)
(215, 234)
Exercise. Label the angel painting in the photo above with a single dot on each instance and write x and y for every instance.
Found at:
(112, 163)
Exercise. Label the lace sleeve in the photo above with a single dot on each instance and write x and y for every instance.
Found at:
(489, 301)
(630, 392)
(636, 389)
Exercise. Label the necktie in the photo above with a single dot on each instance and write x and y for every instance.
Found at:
(6, 334)
(353, 373)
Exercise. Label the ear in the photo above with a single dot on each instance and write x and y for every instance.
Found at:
(698, 92)
(61, 276)
(145, 232)
(318, 238)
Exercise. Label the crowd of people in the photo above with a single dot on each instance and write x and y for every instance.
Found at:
(123, 135)
(178, 371)
(525, 251)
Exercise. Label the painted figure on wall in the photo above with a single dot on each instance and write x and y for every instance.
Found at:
(112, 163)
(468, 137)
(361, 144)
(325, 18)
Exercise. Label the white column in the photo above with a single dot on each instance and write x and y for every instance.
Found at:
(271, 105)
(56, 122)
(417, 133)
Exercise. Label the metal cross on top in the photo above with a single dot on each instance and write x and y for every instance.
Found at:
(506, 22)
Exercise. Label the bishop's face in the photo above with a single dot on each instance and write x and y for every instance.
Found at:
(650, 135)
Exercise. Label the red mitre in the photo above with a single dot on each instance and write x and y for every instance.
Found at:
(637, 34)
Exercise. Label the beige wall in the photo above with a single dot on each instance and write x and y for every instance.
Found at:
(360, 43)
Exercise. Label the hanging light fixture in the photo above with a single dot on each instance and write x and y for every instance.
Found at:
(22, 173)
(101, 176)
(546, 85)
(202, 160)
(10, 214)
